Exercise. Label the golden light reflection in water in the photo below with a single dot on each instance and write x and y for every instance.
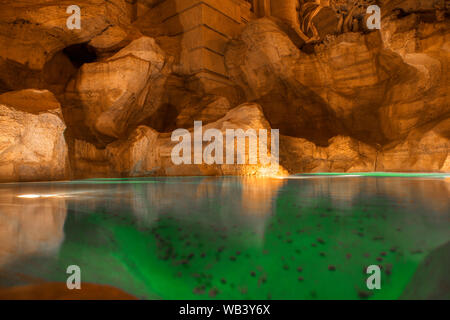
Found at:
(30, 226)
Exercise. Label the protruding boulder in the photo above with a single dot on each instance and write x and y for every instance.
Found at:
(426, 148)
(122, 91)
(136, 156)
(32, 144)
(343, 154)
(247, 117)
(146, 152)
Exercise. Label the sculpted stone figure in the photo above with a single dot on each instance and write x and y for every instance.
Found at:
(315, 19)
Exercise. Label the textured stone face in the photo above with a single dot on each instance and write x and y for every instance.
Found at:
(425, 148)
(351, 100)
(343, 154)
(147, 152)
(115, 94)
(378, 89)
(32, 144)
(32, 32)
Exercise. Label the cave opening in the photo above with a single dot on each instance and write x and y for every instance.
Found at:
(80, 54)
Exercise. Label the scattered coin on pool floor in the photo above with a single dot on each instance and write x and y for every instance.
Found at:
(213, 292)
(364, 294)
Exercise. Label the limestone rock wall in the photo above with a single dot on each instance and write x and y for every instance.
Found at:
(32, 143)
(102, 101)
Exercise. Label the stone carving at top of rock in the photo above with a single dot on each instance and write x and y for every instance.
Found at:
(317, 19)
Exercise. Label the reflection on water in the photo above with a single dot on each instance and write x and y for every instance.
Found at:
(224, 238)
(29, 226)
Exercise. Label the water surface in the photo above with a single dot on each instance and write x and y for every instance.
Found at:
(305, 237)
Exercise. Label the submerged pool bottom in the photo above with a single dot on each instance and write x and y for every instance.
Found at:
(303, 237)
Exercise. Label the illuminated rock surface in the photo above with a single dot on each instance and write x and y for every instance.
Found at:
(147, 152)
(32, 32)
(350, 100)
(32, 144)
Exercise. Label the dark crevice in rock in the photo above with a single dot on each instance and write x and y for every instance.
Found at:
(164, 120)
(80, 54)
(4, 87)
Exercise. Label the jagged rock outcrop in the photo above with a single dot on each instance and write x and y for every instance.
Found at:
(365, 86)
(347, 101)
(33, 32)
(118, 93)
(343, 154)
(32, 144)
(426, 148)
(147, 152)
(266, 73)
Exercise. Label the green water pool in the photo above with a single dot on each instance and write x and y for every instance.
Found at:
(303, 237)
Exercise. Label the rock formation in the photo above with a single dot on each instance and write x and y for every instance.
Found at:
(102, 101)
(32, 143)
(148, 152)
(121, 91)
(32, 33)
(363, 86)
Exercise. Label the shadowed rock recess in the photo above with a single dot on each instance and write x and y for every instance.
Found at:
(103, 100)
